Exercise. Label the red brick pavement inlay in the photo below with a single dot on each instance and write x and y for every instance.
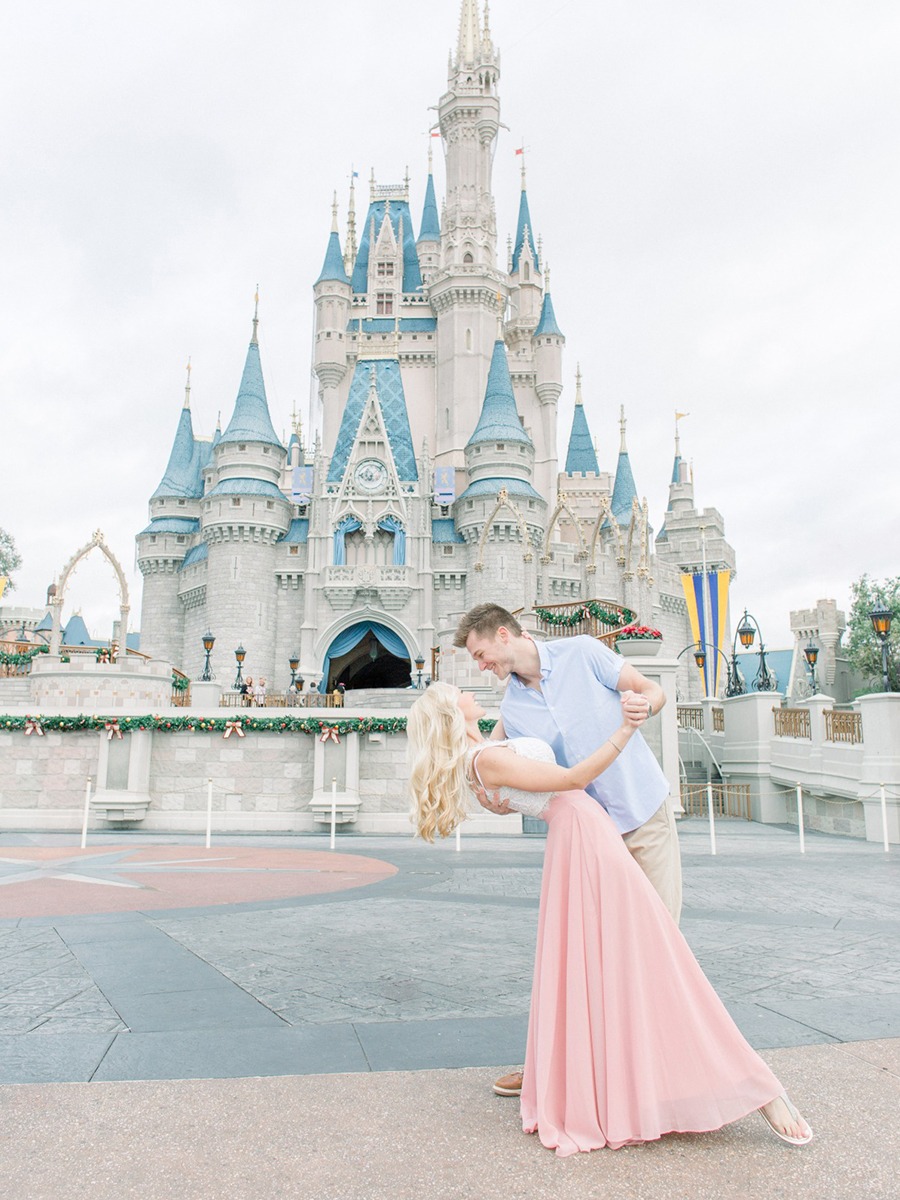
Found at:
(44, 882)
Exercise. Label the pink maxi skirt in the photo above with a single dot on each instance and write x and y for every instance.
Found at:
(627, 1040)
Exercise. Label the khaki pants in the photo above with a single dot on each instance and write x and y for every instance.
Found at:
(654, 846)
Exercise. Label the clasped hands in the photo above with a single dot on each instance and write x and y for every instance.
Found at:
(635, 711)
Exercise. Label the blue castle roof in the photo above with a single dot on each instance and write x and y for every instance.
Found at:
(298, 532)
(524, 229)
(490, 487)
(547, 323)
(250, 421)
(333, 266)
(444, 531)
(431, 226)
(412, 276)
(389, 386)
(173, 525)
(247, 487)
(624, 490)
(181, 478)
(198, 553)
(581, 458)
(499, 420)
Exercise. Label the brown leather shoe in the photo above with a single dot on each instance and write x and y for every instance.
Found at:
(509, 1085)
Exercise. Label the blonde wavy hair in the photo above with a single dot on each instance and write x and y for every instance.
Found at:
(437, 753)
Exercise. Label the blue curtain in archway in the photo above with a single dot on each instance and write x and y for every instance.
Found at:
(344, 642)
(348, 525)
(393, 525)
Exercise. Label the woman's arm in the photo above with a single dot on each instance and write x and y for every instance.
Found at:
(502, 767)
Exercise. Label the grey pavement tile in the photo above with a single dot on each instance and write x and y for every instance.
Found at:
(218, 1054)
(850, 1019)
(766, 1030)
(52, 1057)
(224, 1008)
(442, 1043)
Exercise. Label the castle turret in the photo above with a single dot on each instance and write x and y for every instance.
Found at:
(332, 299)
(547, 346)
(244, 516)
(624, 490)
(581, 458)
(524, 273)
(162, 546)
(428, 244)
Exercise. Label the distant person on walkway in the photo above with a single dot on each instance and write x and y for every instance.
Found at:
(627, 1040)
(259, 694)
(247, 692)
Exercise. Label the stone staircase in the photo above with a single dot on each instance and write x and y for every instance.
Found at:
(14, 690)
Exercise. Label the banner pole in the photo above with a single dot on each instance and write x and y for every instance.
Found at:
(87, 807)
(712, 819)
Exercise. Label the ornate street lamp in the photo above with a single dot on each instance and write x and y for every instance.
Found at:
(811, 654)
(208, 642)
(746, 632)
(700, 658)
(881, 622)
(240, 654)
(294, 663)
(420, 667)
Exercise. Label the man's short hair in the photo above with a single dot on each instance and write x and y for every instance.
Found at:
(485, 620)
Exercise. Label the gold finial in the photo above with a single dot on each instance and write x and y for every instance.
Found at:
(334, 206)
(187, 386)
(623, 449)
(254, 339)
(578, 383)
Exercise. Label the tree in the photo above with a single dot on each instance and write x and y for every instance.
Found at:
(862, 645)
(10, 559)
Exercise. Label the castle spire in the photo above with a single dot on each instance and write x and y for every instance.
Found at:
(333, 268)
(350, 255)
(624, 490)
(254, 340)
(469, 39)
(181, 479)
(499, 420)
(250, 421)
(547, 323)
(581, 457)
(430, 230)
(524, 228)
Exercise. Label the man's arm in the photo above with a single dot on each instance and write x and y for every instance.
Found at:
(641, 697)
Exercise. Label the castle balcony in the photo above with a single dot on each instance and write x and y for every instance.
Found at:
(392, 585)
(602, 619)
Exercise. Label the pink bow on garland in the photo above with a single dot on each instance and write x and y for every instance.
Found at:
(330, 733)
(33, 727)
(233, 727)
(112, 728)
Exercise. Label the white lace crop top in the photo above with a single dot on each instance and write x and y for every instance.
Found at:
(532, 804)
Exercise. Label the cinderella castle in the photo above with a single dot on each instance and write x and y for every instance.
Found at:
(434, 479)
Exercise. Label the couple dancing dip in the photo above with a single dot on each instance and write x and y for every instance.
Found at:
(627, 1040)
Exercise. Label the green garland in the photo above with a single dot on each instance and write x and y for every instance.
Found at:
(21, 660)
(566, 619)
(188, 724)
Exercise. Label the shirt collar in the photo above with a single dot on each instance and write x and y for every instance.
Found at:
(544, 657)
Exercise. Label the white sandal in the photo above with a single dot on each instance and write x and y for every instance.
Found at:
(786, 1137)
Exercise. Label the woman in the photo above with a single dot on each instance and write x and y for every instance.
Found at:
(627, 1040)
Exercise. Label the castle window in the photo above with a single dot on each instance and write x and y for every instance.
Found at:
(181, 503)
(384, 270)
(467, 258)
(265, 449)
(501, 445)
(293, 550)
(152, 538)
(235, 502)
(384, 304)
(242, 445)
(526, 272)
(180, 539)
(468, 339)
(447, 549)
(270, 504)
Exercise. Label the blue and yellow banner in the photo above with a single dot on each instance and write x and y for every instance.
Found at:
(712, 638)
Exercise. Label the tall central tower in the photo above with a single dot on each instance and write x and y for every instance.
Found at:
(467, 291)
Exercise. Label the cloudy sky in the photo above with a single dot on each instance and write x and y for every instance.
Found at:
(716, 185)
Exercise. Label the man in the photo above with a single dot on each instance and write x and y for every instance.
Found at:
(570, 692)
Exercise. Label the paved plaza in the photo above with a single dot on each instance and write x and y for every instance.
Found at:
(271, 1018)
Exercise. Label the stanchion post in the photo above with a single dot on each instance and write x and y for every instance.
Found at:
(884, 821)
(333, 807)
(800, 818)
(87, 809)
(458, 840)
(209, 786)
(712, 818)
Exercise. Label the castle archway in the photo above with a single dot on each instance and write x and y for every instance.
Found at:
(366, 654)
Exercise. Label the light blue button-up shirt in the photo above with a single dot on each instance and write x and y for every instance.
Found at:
(576, 710)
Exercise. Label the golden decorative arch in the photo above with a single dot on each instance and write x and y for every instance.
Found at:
(503, 501)
(605, 514)
(563, 506)
(98, 541)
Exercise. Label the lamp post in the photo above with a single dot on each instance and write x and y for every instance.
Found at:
(746, 632)
(700, 649)
(208, 642)
(881, 622)
(420, 667)
(811, 654)
(294, 663)
(240, 654)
